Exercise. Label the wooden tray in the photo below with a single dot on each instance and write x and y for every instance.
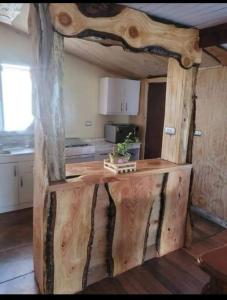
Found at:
(130, 166)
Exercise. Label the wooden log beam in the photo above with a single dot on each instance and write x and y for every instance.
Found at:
(219, 53)
(115, 24)
(213, 36)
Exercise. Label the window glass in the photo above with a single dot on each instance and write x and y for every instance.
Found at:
(16, 97)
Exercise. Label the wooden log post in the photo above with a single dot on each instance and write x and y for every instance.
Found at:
(49, 164)
(180, 115)
(178, 111)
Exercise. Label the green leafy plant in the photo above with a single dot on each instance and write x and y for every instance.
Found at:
(120, 151)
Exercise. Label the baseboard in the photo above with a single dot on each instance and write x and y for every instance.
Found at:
(15, 207)
(206, 215)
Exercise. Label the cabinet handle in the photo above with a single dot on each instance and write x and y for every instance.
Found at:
(126, 106)
(15, 171)
(121, 106)
(21, 181)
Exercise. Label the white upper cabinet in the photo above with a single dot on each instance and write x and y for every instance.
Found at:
(119, 96)
(132, 94)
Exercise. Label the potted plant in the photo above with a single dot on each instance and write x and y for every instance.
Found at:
(120, 152)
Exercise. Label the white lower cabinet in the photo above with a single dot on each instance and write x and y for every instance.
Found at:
(26, 182)
(16, 185)
(8, 185)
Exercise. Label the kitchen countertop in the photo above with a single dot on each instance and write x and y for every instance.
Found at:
(96, 146)
(17, 154)
(94, 172)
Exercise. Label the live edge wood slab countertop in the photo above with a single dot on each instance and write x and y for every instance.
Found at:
(94, 172)
(97, 224)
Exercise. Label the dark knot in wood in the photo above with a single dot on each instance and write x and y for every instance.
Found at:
(186, 62)
(64, 19)
(97, 10)
(133, 32)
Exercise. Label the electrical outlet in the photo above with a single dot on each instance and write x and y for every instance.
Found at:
(88, 123)
(197, 133)
(170, 130)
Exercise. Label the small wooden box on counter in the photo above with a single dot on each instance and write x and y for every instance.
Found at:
(126, 167)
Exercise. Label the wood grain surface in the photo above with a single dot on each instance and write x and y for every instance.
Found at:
(178, 111)
(94, 172)
(210, 150)
(154, 221)
(219, 53)
(173, 225)
(97, 267)
(133, 200)
(49, 162)
(73, 226)
(106, 224)
(131, 28)
(47, 69)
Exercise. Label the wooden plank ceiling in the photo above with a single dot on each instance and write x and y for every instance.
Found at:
(138, 65)
(199, 15)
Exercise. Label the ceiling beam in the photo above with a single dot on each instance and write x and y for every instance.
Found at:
(134, 30)
(219, 53)
(213, 36)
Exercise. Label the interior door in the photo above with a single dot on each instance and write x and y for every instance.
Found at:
(8, 185)
(155, 119)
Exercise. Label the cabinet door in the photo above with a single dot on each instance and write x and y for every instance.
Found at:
(132, 93)
(116, 96)
(8, 185)
(26, 182)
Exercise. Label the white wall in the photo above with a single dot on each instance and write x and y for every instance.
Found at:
(81, 90)
(80, 86)
(15, 47)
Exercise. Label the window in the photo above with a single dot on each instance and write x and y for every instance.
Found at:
(15, 98)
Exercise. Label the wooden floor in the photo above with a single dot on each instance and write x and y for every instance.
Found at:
(175, 273)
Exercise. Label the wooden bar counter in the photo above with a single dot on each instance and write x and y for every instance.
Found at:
(98, 224)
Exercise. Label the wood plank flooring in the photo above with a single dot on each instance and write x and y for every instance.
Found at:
(175, 273)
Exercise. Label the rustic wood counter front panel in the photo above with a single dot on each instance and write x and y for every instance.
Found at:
(133, 199)
(72, 231)
(172, 229)
(101, 225)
